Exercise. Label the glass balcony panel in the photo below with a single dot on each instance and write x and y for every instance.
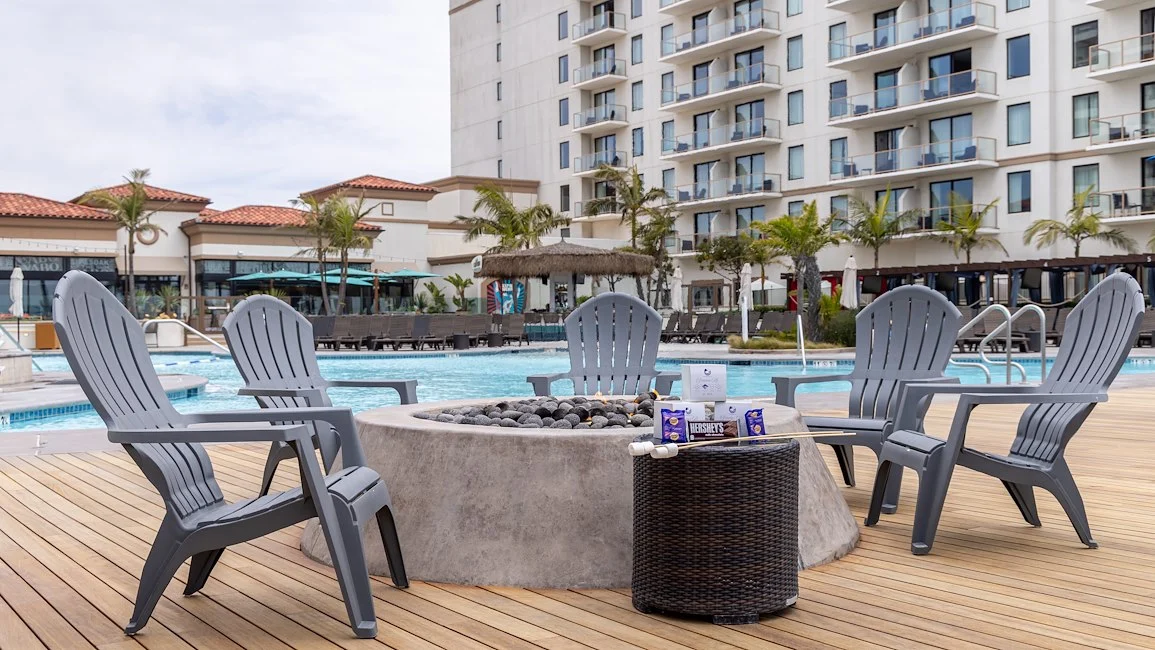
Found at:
(927, 90)
(722, 188)
(599, 69)
(1137, 49)
(764, 19)
(738, 132)
(930, 218)
(1132, 202)
(600, 22)
(598, 114)
(744, 76)
(590, 162)
(960, 150)
(908, 31)
(1121, 128)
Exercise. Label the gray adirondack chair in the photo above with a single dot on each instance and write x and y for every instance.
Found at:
(1097, 336)
(105, 347)
(269, 342)
(904, 336)
(613, 346)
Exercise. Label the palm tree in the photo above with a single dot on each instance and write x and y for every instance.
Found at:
(318, 224)
(1082, 224)
(347, 234)
(762, 253)
(515, 228)
(630, 198)
(962, 230)
(460, 284)
(131, 213)
(874, 225)
(653, 237)
(801, 238)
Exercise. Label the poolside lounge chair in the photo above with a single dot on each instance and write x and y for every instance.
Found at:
(265, 338)
(400, 328)
(513, 329)
(684, 325)
(357, 333)
(105, 347)
(904, 336)
(671, 327)
(613, 346)
(340, 328)
(1099, 333)
(704, 325)
(1147, 330)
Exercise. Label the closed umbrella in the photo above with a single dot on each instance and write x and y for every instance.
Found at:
(16, 292)
(677, 303)
(850, 284)
(747, 296)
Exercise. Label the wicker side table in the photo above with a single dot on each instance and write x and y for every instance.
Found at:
(716, 532)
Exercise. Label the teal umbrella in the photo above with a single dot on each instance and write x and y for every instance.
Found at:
(406, 274)
(274, 275)
(353, 273)
(336, 279)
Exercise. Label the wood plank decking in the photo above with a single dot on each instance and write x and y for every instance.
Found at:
(74, 530)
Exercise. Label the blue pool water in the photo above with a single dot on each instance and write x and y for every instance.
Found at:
(459, 377)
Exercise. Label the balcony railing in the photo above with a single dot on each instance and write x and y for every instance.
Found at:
(909, 31)
(591, 162)
(749, 130)
(599, 23)
(1137, 49)
(692, 242)
(960, 150)
(599, 114)
(1120, 204)
(581, 209)
(723, 188)
(764, 19)
(1121, 128)
(920, 92)
(597, 69)
(928, 221)
(714, 84)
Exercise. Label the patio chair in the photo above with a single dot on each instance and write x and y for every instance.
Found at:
(356, 334)
(1099, 333)
(671, 327)
(322, 328)
(400, 327)
(1147, 330)
(685, 327)
(340, 329)
(904, 336)
(105, 347)
(441, 329)
(513, 329)
(613, 346)
(265, 338)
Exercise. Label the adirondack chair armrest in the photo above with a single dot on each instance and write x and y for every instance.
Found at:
(310, 394)
(911, 406)
(786, 387)
(541, 383)
(341, 420)
(406, 388)
(975, 399)
(664, 382)
(276, 433)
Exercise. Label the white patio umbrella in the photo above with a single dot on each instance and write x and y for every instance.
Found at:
(850, 284)
(746, 299)
(676, 301)
(16, 292)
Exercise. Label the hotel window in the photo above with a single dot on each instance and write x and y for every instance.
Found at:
(838, 98)
(636, 96)
(499, 12)
(563, 198)
(1084, 109)
(839, 155)
(563, 155)
(499, 129)
(794, 208)
(499, 52)
(1019, 124)
(1019, 56)
(636, 50)
(1019, 192)
(499, 91)
(836, 41)
(1087, 177)
(1015, 5)
(794, 53)
(563, 68)
(1083, 36)
(563, 26)
(635, 8)
(839, 212)
(793, 7)
(563, 111)
(639, 141)
(668, 142)
(667, 38)
(796, 164)
(667, 87)
(499, 168)
(745, 216)
(669, 181)
(794, 107)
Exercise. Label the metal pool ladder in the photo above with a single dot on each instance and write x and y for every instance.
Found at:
(1005, 326)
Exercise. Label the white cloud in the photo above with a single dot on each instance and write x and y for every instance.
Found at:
(243, 101)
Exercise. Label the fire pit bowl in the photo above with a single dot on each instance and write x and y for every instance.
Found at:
(535, 507)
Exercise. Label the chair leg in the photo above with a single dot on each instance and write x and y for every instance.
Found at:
(893, 490)
(164, 559)
(200, 567)
(1023, 495)
(845, 456)
(392, 544)
(932, 487)
(351, 554)
(882, 478)
(1062, 485)
(271, 464)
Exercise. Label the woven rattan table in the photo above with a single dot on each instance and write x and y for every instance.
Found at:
(716, 532)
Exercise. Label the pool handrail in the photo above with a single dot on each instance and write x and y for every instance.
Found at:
(978, 318)
(1007, 326)
(189, 328)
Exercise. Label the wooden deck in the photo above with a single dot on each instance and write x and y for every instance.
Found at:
(74, 530)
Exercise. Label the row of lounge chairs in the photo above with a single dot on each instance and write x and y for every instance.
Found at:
(417, 331)
(687, 327)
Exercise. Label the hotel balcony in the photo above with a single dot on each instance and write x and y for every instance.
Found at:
(679, 7)
(908, 100)
(729, 190)
(608, 212)
(600, 119)
(685, 245)
(600, 75)
(852, 6)
(731, 34)
(1130, 57)
(923, 161)
(589, 164)
(929, 219)
(703, 94)
(893, 44)
(743, 137)
(600, 30)
(1123, 133)
(1111, 4)
(1135, 205)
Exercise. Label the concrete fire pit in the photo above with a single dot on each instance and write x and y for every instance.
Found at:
(537, 507)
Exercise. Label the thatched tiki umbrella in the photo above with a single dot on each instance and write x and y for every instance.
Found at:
(564, 257)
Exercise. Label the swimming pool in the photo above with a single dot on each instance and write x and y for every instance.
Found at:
(445, 377)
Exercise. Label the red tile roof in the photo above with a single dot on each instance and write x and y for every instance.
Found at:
(370, 182)
(208, 212)
(154, 193)
(261, 215)
(14, 204)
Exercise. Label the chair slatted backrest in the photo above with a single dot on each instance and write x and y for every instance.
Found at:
(905, 335)
(514, 324)
(671, 323)
(613, 345)
(400, 326)
(686, 322)
(105, 347)
(1097, 336)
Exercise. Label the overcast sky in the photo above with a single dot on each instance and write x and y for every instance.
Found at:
(242, 101)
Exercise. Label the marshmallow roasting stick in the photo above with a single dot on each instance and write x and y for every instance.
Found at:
(670, 450)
